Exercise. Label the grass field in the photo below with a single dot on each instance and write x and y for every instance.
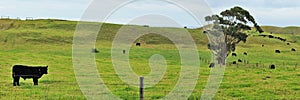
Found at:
(49, 42)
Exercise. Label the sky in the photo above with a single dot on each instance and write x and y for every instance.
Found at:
(168, 13)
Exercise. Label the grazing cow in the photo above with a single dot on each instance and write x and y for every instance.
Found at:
(138, 44)
(211, 65)
(293, 49)
(234, 62)
(28, 72)
(271, 36)
(204, 32)
(239, 60)
(94, 50)
(262, 35)
(272, 66)
(124, 51)
(287, 43)
(277, 51)
(234, 54)
(208, 46)
(262, 45)
(281, 39)
(245, 53)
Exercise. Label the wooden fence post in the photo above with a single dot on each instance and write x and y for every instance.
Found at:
(141, 88)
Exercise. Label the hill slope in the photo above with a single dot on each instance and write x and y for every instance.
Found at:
(49, 42)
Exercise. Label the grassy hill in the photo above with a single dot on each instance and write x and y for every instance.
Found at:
(49, 42)
(282, 30)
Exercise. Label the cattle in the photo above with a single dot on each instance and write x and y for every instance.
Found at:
(208, 46)
(272, 66)
(185, 27)
(25, 72)
(124, 51)
(239, 60)
(293, 49)
(271, 36)
(262, 35)
(138, 44)
(94, 50)
(204, 32)
(245, 53)
(234, 62)
(234, 54)
(262, 45)
(281, 39)
(287, 43)
(277, 51)
(211, 65)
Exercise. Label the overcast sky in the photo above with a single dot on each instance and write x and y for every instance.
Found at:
(266, 12)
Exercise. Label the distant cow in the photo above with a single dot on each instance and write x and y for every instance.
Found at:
(271, 36)
(124, 51)
(262, 45)
(234, 54)
(234, 62)
(272, 66)
(211, 65)
(245, 53)
(262, 35)
(281, 39)
(293, 49)
(25, 72)
(287, 43)
(94, 50)
(239, 60)
(277, 51)
(138, 44)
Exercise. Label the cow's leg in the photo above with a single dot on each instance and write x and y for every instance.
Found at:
(16, 81)
(35, 81)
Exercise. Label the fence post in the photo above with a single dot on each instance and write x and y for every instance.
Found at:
(141, 88)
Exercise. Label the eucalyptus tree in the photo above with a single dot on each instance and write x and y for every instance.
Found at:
(228, 29)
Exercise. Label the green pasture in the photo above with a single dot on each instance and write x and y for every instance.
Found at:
(49, 42)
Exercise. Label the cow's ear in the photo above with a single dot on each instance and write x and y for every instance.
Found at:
(47, 66)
